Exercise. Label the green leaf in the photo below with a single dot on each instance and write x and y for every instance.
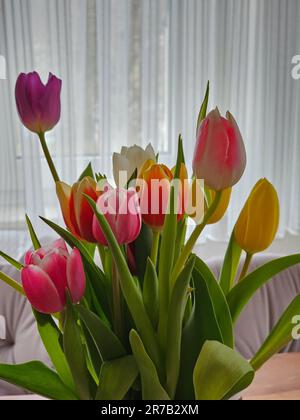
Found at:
(180, 157)
(107, 343)
(93, 357)
(279, 337)
(38, 379)
(166, 259)
(74, 352)
(88, 171)
(95, 276)
(11, 261)
(174, 330)
(52, 338)
(34, 239)
(130, 290)
(150, 292)
(180, 237)
(203, 109)
(230, 265)
(151, 386)
(12, 283)
(116, 378)
(242, 293)
(220, 373)
(202, 326)
(218, 299)
(142, 251)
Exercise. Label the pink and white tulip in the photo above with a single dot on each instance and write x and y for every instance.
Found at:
(38, 104)
(122, 211)
(220, 156)
(49, 273)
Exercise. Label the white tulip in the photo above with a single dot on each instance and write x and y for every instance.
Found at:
(130, 159)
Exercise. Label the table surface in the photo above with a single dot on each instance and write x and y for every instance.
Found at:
(278, 379)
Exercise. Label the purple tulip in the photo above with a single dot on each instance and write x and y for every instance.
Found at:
(38, 104)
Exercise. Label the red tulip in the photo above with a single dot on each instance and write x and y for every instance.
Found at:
(121, 209)
(76, 211)
(38, 104)
(48, 273)
(220, 156)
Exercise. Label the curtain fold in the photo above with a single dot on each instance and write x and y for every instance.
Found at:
(135, 71)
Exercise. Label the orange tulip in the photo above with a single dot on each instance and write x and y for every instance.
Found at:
(154, 181)
(77, 213)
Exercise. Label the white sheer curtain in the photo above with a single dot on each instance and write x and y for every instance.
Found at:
(135, 71)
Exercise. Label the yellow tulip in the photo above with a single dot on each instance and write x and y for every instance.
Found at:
(258, 222)
(222, 206)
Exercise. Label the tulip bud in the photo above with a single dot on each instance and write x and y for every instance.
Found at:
(38, 104)
(129, 160)
(258, 222)
(121, 209)
(222, 206)
(220, 156)
(77, 212)
(48, 273)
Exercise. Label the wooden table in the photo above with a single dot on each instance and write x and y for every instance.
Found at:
(278, 379)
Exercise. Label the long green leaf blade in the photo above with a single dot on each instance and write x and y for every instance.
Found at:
(242, 293)
(279, 337)
(130, 291)
(37, 378)
(230, 265)
(106, 342)
(116, 378)
(176, 313)
(52, 338)
(34, 239)
(151, 386)
(16, 264)
(74, 351)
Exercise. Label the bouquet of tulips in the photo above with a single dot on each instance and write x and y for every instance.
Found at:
(124, 308)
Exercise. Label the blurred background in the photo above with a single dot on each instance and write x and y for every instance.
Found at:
(135, 71)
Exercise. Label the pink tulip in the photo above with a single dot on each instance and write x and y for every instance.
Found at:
(38, 104)
(48, 273)
(220, 156)
(122, 211)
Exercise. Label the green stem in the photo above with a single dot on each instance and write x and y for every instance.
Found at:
(155, 245)
(187, 249)
(48, 157)
(245, 266)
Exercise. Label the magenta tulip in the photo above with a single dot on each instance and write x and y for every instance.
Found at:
(220, 156)
(49, 273)
(38, 104)
(122, 211)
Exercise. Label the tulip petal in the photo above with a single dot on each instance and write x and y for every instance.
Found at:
(83, 212)
(55, 265)
(26, 102)
(50, 103)
(75, 276)
(40, 290)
